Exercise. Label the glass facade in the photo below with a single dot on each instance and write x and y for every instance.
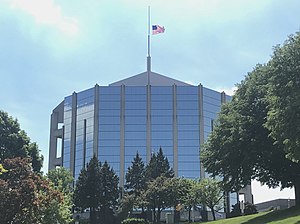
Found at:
(211, 107)
(67, 132)
(175, 125)
(109, 126)
(117, 121)
(162, 120)
(188, 131)
(84, 129)
(135, 123)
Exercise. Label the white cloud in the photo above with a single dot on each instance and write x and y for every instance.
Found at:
(47, 12)
(228, 91)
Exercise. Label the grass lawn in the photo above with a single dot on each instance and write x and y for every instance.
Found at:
(287, 216)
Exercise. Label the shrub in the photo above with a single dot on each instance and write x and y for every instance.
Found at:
(134, 221)
(250, 209)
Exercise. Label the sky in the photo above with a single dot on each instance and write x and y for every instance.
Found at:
(51, 48)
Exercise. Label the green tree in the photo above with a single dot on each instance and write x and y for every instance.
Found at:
(60, 211)
(190, 199)
(62, 179)
(158, 166)
(211, 194)
(135, 184)
(161, 193)
(284, 96)
(109, 193)
(240, 147)
(14, 142)
(24, 195)
(88, 188)
(135, 178)
(97, 189)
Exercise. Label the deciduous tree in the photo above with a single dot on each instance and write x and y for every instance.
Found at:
(211, 194)
(60, 211)
(24, 195)
(284, 96)
(240, 147)
(161, 193)
(14, 142)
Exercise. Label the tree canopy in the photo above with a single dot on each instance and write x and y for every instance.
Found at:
(244, 144)
(14, 142)
(135, 176)
(284, 96)
(211, 194)
(25, 195)
(97, 189)
(158, 166)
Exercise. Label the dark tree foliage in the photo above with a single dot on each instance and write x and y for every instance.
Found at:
(134, 186)
(88, 188)
(14, 142)
(135, 178)
(241, 148)
(109, 192)
(158, 166)
(24, 195)
(97, 189)
(235, 212)
(250, 209)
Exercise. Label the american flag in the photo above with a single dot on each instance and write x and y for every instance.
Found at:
(156, 29)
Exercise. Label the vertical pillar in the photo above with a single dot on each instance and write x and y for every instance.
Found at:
(223, 97)
(175, 132)
(201, 125)
(84, 143)
(57, 117)
(122, 136)
(148, 153)
(63, 145)
(73, 133)
(53, 140)
(96, 120)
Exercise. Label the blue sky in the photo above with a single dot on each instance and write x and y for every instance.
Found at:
(50, 48)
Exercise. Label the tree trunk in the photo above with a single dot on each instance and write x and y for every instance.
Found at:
(92, 215)
(154, 215)
(297, 192)
(213, 213)
(158, 215)
(190, 213)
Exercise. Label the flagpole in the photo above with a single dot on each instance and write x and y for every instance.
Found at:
(148, 56)
(148, 30)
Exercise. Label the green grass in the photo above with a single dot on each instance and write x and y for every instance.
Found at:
(287, 216)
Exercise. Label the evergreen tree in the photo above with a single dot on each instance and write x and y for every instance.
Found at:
(135, 178)
(97, 189)
(88, 188)
(109, 193)
(158, 166)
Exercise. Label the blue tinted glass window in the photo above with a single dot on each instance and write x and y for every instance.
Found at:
(109, 90)
(211, 93)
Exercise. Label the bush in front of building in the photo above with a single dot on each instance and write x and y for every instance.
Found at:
(250, 209)
(134, 221)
